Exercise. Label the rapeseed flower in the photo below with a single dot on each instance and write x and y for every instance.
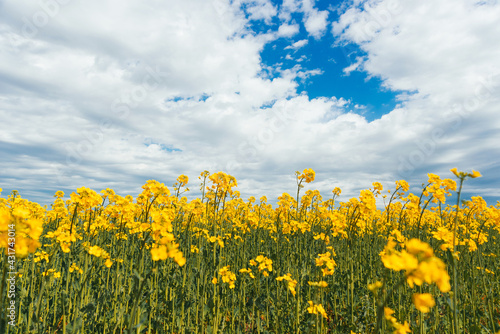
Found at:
(423, 301)
(316, 308)
(291, 282)
(227, 276)
(328, 263)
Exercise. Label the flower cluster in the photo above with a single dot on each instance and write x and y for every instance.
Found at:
(227, 276)
(101, 253)
(264, 264)
(419, 263)
(316, 309)
(168, 250)
(291, 282)
(21, 225)
(325, 260)
(398, 328)
(307, 175)
(439, 188)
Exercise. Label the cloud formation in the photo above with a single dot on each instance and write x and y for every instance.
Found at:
(106, 95)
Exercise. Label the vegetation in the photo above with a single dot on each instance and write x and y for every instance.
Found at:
(102, 263)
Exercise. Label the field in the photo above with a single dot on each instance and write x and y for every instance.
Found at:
(158, 263)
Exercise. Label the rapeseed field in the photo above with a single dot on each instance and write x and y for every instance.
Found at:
(160, 263)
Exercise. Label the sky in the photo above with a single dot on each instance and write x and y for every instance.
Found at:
(110, 94)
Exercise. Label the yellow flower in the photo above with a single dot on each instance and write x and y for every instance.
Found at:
(431, 271)
(326, 260)
(321, 284)
(445, 235)
(65, 247)
(311, 308)
(377, 187)
(403, 184)
(423, 301)
(291, 286)
(40, 256)
(159, 253)
(286, 277)
(487, 270)
(183, 180)
(96, 251)
(214, 280)
(475, 174)
(416, 247)
(54, 273)
(401, 261)
(374, 286)
(178, 257)
(291, 282)
(220, 242)
(248, 271)
(322, 311)
(388, 312)
(316, 308)
(227, 276)
(462, 175)
(74, 267)
(402, 329)
(263, 264)
(455, 171)
(307, 175)
(108, 263)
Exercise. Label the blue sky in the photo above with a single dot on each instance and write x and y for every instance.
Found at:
(356, 87)
(103, 94)
(327, 55)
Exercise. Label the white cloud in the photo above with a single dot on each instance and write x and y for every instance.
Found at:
(288, 30)
(298, 72)
(446, 55)
(259, 9)
(445, 52)
(287, 8)
(316, 22)
(297, 45)
(354, 66)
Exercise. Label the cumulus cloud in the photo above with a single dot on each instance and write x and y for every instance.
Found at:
(288, 30)
(354, 66)
(287, 8)
(315, 21)
(297, 45)
(442, 56)
(258, 9)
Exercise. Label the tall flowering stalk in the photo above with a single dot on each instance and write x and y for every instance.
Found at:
(461, 176)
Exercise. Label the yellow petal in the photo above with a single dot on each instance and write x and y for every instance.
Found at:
(475, 174)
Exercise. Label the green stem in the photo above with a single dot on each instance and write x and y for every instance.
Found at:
(454, 261)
